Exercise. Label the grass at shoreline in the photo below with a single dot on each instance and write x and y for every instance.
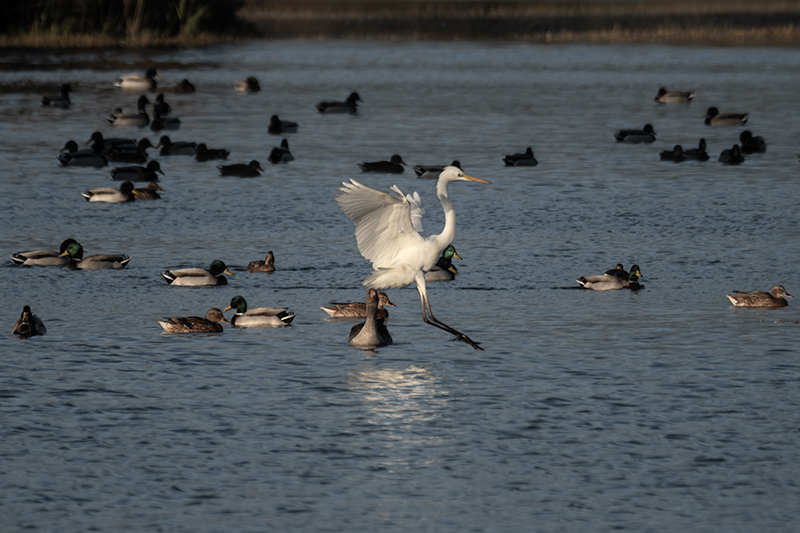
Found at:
(714, 22)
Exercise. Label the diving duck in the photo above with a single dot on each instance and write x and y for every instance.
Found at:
(59, 100)
(372, 333)
(43, 257)
(259, 317)
(773, 298)
(673, 97)
(267, 265)
(138, 83)
(610, 282)
(393, 166)
(137, 173)
(644, 135)
(697, 154)
(731, 156)
(148, 193)
(444, 269)
(109, 195)
(281, 154)
(751, 144)
(76, 261)
(348, 106)
(249, 85)
(198, 277)
(279, 127)
(715, 118)
(521, 160)
(28, 324)
(675, 155)
(358, 309)
(431, 172)
(250, 170)
(195, 324)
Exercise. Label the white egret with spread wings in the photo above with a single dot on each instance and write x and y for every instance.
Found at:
(388, 227)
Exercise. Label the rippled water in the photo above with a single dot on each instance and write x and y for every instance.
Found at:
(664, 409)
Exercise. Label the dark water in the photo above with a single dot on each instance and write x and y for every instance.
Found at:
(662, 410)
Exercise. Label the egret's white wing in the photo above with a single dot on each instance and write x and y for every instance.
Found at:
(382, 222)
(416, 209)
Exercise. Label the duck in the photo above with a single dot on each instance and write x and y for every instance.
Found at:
(60, 100)
(249, 85)
(373, 332)
(731, 156)
(358, 309)
(110, 195)
(130, 154)
(250, 170)
(674, 97)
(697, 154)
(28, 324)
(137, 173)
(71, 156)
(76, 261)
(259, 317)
(160, 106)
(140, 119)
(161, 122)
(197, 277)
(279, 127)
(644, 135)
(444, 269)
(715, 118)
(431, 172)
(202, 153)
(267, 265)
(348, 106)
(521, 160)
(773, 298)
(393, 166)
(149, 192)
(176, 148)
(103, 144)
(195, 324)
(610, 282)
(281, 154)
(138, 83)
(43, 257)
(751, 144)
(184, 87)
(618, 271)
(675, 155)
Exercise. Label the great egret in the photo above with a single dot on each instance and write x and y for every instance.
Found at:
(388, 229)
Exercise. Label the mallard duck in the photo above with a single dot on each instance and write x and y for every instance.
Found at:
(444, 269)
(281, 154)
(76, 261)
(250, 85)
(673, 97)
(761, 299)
(731, 156)
(71, 156)
(393, 166)
(28, 324)
(137, 173)
(168, 147)
(133, 82)
(43, 257)
(184, 87)
(107, 194)
(715, 118)
(372, 332)
(60, 100)
(140, 119)
(358, 309)
(675, 155)
(348, 106)
(610, 282)
(160, 122)
(279, 127)
(130, 154)
(195, 324)
(751, 144)
(259, 317)
(267, 265)
(160, 106)
(521, 160)
(202, 153)
(103, 144)
(249, 170)
(644, 135)
(697, 154)
(149, 192)
(198, 277)
(431, 172)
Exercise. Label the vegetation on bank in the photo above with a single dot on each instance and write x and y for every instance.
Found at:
(143, 23)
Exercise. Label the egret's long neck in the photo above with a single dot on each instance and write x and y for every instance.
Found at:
(449, 232)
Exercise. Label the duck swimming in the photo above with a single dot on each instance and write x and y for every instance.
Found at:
(673, 97)
(372, 333)
(202, 153)
(61, 100)
(137, 173)
(267, 265)
(675, 155)
(358, 309)
(697, 154)
(107, 194)
(751, 144)
(444, 269)
(644, 135)
(184, 87)
(148, 193)
(715, 118)
(140, 119)
(259, 317)
(393, 166)
(610, 282)
(133, 82)
(168, 147)
(773, 298)
(70, 156)
(195, 324)
(198, 277)
(250, 170)
(279, 127)
(348, 106)
(521, 160)
(281, 154)
(249, 85)
(28, 324)
(43, 257)
(731, 156)
(76, 261)
(431, 172)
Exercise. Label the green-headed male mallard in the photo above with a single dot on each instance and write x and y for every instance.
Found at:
(76, 261)
(133, 82)
(259, 317)
(111, 195)
(198, 277)
(195, 324)
(761, 299)
(612, 280)
(43, 257)
(444, 269)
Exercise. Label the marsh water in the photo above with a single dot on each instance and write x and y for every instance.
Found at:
(664, 409)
